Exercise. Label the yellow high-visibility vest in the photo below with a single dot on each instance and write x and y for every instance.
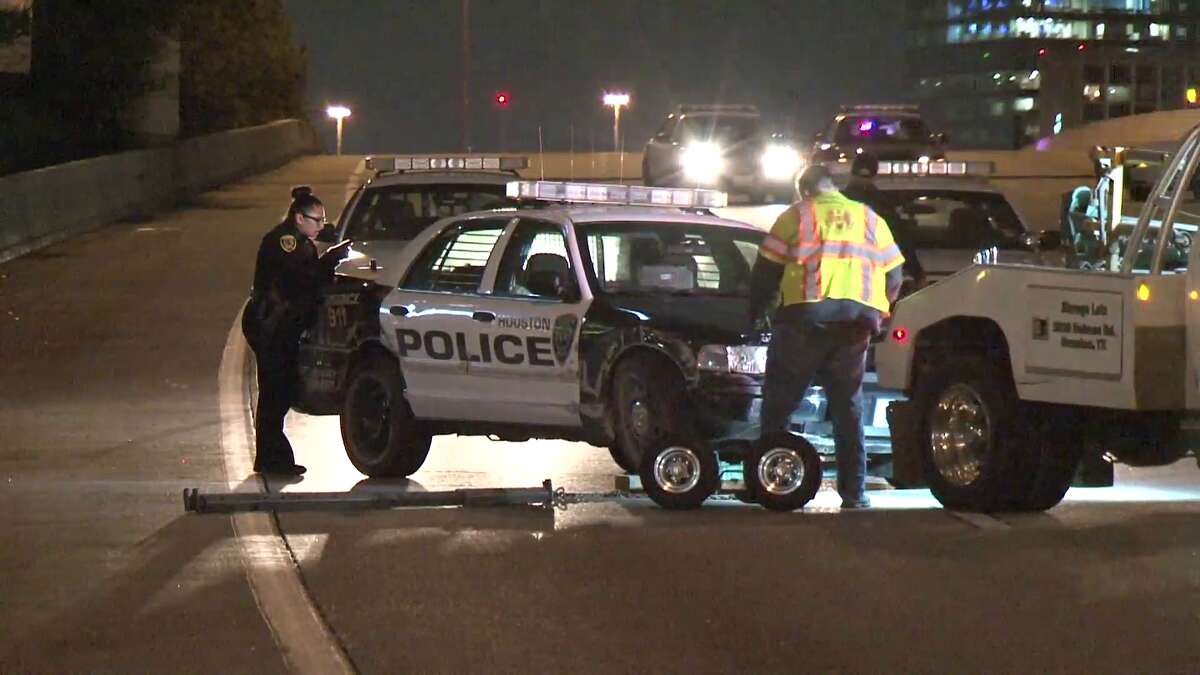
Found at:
(833, 248)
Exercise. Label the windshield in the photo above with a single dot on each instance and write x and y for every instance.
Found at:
(882, 129)
(715, 127)
(954, 220)
(401, 212)
(669, 258)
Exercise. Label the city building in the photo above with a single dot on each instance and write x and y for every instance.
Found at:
(1004, 73)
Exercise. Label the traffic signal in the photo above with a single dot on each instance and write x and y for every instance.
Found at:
(502, 99)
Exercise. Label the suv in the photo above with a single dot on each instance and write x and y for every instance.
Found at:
(618, 323)
(721, 146)
(890, 132)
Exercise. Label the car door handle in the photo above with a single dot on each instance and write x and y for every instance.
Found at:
(485, 317)
(399, 310)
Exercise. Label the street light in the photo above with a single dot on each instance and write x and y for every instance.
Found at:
(339, 113)
(617, 101)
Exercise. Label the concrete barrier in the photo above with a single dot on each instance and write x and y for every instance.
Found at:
(38, 208)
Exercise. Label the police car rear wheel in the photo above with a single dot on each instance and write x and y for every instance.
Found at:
(680, 474)
(783, 472)
(648, 400)
(381, 436)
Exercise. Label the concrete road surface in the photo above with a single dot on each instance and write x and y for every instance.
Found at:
(124, 382)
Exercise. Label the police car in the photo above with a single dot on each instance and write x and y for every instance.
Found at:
(614, 315)
(405, 195)
(721, 146)
(890, 132)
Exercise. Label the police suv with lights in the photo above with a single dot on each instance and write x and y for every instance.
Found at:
(721, 146)
(1005, 399)
(614, 315)
(889, 132)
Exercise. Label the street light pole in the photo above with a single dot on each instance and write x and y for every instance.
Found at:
(617, 101)
(338, 113)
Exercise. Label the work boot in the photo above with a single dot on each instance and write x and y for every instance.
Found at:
(282, 470)
(856, 504)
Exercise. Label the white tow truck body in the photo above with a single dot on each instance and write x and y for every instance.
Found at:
(1014, 372)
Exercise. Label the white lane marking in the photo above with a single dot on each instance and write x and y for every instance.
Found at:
(304, 639)
(980, 520)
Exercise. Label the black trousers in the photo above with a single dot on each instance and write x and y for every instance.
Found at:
(833, 355)
(278, 387)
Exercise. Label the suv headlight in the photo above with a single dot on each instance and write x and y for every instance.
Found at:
(743, 359)
(780, 162)
(702, 162)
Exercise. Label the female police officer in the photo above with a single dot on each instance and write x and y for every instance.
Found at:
(288, 274)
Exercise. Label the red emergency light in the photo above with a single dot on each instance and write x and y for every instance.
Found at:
(502, 99)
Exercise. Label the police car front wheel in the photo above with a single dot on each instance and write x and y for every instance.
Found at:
(648, 401)
(381, 436)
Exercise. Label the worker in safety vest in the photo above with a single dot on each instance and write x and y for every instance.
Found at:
(835, 269)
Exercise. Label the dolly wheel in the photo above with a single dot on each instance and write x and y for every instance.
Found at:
(680, 474)
(783, 473)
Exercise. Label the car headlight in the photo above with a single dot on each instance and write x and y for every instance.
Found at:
(702, 162)
(744, 359)
(781, 162)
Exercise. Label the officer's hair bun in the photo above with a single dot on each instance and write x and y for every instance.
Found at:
(301, 192)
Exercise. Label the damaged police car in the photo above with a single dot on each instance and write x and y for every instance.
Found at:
(613, 315)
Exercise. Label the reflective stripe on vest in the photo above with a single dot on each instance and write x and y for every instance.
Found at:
(835, 255)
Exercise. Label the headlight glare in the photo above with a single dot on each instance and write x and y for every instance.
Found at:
(702, 162)
(780, 162)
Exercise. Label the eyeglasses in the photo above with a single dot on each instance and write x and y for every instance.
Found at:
(320, 221)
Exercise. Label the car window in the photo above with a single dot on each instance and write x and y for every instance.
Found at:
(955, 220)
(882, 128)
(669, 258)
(454, 262)
(715, 127)
(533, 247)
(401, 212)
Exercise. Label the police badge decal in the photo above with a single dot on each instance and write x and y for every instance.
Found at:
(564, 336)
(288, 243)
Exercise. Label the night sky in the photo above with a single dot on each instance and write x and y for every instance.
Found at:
(397, 63)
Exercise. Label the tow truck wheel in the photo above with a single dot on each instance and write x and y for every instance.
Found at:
(680, 474)
(1056, 457)
(381, 436)
(973, 440)
(647, 400)
(783, 472)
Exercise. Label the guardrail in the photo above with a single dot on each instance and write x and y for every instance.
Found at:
(38, 208)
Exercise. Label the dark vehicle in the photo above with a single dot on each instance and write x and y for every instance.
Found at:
(888, 132)
(727, 147)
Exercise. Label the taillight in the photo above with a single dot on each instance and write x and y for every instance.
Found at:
(899, 335)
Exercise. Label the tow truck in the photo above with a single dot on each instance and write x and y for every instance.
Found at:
(1014, 373)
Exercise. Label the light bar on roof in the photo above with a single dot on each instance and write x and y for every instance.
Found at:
(629, 195)
(461, 163)
(936, 168)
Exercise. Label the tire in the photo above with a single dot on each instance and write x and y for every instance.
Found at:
(783, 472)
(1057, 454)
(987, 466)
(680, 474)
(648, 407)
(382, 438)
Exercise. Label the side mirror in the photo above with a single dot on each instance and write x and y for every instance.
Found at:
(328, 234)
(546, 284)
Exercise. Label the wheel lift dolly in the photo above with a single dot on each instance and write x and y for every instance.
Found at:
(546, 496)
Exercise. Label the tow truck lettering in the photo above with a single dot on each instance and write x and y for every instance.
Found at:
(525, 323)
(510, 350)
(1085, 311)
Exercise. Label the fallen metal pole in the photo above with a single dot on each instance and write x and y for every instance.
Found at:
(195, 501)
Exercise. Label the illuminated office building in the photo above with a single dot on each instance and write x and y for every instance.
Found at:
(1004, 73)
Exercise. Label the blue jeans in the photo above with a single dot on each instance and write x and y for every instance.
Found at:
(833, 355)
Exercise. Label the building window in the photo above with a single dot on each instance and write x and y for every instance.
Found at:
(1093, 92)
(1160, 31)
(1119, 94)
(1120, 73)
(1099, 31)
(1024, 104)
